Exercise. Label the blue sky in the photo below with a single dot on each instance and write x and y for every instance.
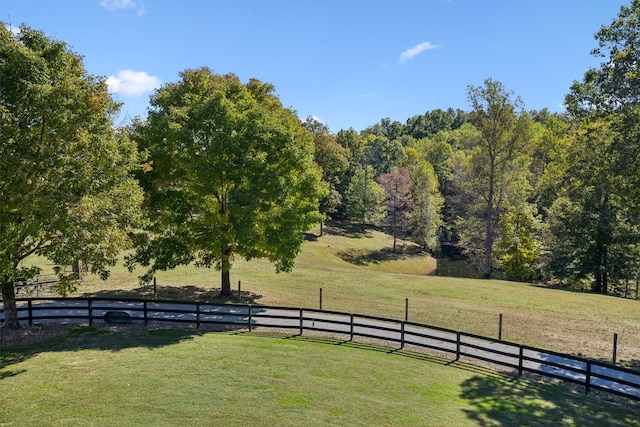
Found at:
(349, 63)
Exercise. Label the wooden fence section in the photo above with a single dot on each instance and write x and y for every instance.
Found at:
(41, 285)
(591, 374)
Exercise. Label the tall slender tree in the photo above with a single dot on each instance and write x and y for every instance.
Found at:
(365, 198)
(496, 162)
(426, 217)
(398, 201)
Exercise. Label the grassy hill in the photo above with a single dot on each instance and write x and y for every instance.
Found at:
(359, 273)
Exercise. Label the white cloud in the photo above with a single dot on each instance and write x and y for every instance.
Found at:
(132, 83)
(14, 30)
(411, 52)
(124, 4)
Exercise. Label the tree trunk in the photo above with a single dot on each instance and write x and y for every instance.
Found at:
(10, 309)
(225, 290)
(321, 226)
(488, 240)
(597, 285)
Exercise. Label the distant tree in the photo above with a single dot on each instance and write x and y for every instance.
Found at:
(384, 155)
(365, 198)
(496, 162)
(398, 201)
(426, 216)
(230, 174)
(391, 130)
(333, 161)
(66, 191)
(432, 122)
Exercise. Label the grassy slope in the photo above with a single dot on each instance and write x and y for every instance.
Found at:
(355, 277)
(187, 377)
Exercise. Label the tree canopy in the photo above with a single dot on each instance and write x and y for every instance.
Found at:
(230, 174)
(66, 192)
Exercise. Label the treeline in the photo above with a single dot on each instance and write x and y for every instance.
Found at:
(535, 195)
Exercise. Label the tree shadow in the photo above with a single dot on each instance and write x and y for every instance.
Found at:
(344, 228)
(363, 257)
(181, 293)
(98, 337)
(508, 401)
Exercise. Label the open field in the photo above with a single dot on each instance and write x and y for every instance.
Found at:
(358, 273)
(136, 376)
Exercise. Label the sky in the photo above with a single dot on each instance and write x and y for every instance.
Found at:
(346, 63)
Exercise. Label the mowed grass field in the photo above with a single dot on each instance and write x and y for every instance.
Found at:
(137, 376)
(358, 273)
(175, 377)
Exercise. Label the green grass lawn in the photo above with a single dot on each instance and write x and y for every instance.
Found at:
(359, 274)
(168, 377)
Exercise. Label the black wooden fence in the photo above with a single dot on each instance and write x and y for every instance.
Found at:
(591, 374)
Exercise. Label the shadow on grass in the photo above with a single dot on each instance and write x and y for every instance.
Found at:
(102, 337)
(366, 257)
(344, 229)
(181, 293)
(507, 401)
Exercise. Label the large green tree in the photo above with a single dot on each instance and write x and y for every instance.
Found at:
(66, 190)
(230, 174)
(606, 212)
(593, 236)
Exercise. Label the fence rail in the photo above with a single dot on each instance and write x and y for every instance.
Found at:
(591, 374)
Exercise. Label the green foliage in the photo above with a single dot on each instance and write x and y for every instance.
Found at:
(365, 197)
(518, 249)
(593, 235)
(614, 87)
(492, 176)
(332, 158)
(66, 190)
(230, 174)
(384, 155)
(426, 217)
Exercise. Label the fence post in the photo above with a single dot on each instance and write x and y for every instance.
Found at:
(301, 321)
(615, 347)
(239, 293)
(145, 313)
(351, 331)
(90, 312)
(197, 315)
(406, 309)
(401, 335)
(30, 305)
(320, 298)
(521, 360)
(500, 327)
(587, 380)
(249, 317)
(457, 346)
(155, 289)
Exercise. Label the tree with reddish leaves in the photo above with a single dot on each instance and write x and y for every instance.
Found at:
(398, 201)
